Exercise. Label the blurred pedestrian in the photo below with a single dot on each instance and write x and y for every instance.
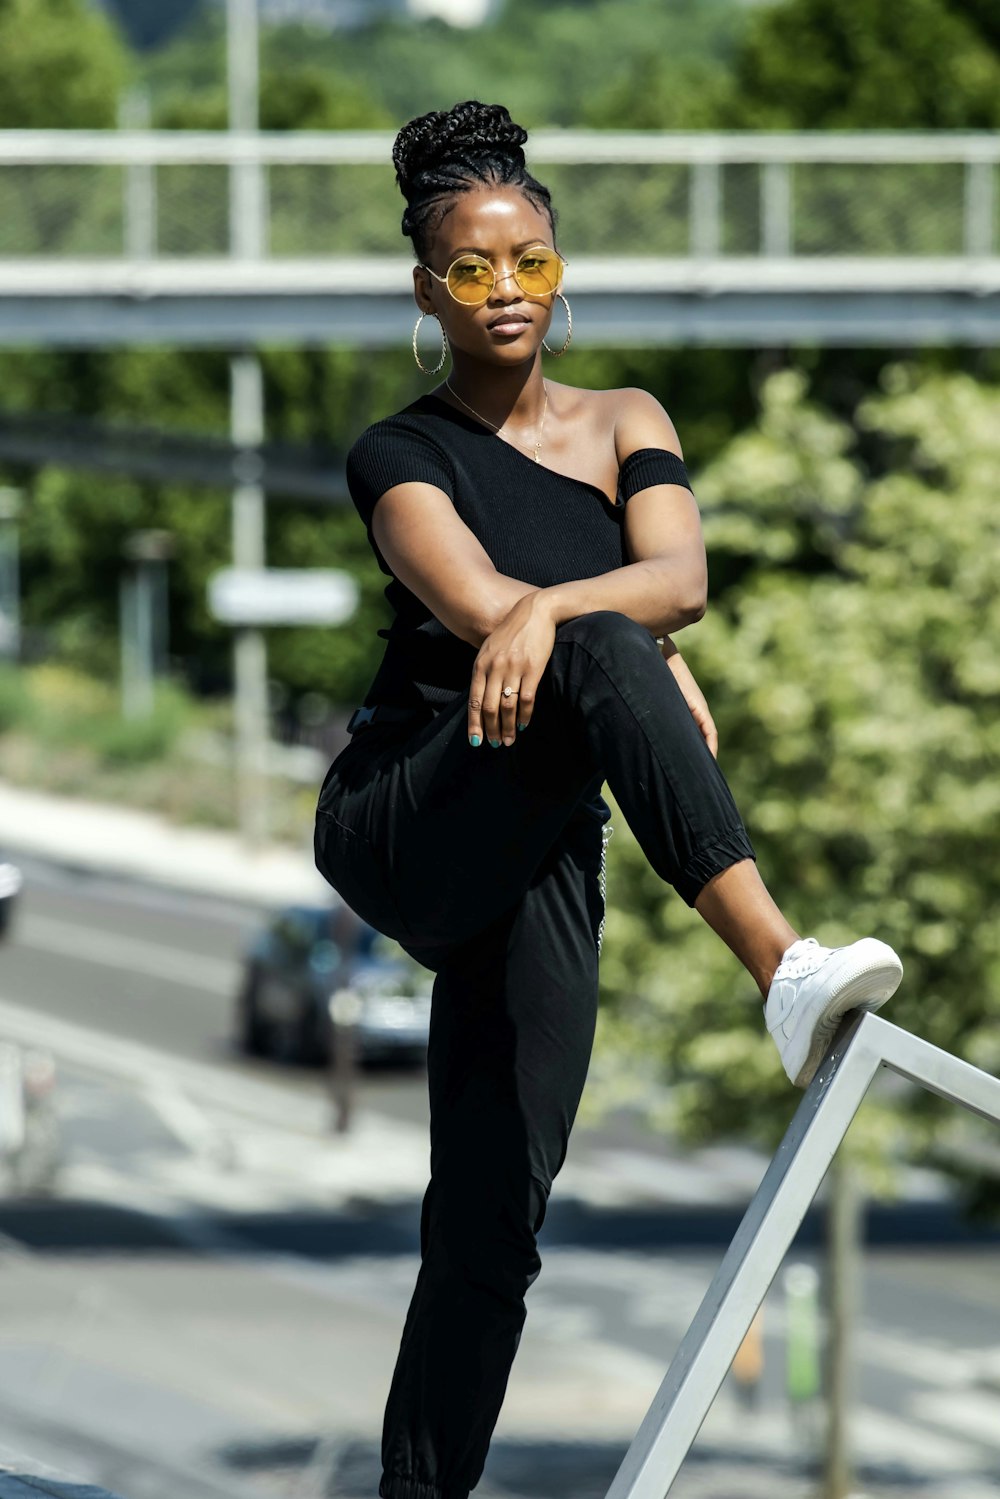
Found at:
(541, 541)
(748, 1365)
(344, 1012)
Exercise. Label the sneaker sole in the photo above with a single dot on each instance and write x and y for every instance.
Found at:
(867, 990)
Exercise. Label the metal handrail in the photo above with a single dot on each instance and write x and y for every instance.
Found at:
(373, 147)
(865, 1044)
(249, 157)
(733, 237)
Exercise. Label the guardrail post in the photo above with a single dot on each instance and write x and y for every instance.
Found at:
(980, 206)
(139, 195)
(776, 208)
(706, 209)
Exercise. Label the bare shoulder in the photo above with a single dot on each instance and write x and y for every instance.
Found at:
(641, 421)
(631, 417)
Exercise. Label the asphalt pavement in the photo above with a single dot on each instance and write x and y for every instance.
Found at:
(211, 1300)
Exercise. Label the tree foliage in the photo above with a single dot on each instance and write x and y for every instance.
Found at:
(853, 673)
(64, 65)
(545, 62)
(825, 64)
(833, 64)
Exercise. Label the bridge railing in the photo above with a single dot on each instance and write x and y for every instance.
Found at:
(638, 196)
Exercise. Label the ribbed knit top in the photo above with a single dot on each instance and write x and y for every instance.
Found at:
(537, 525)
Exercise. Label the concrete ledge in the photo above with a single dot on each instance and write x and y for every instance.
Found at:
(127, 843)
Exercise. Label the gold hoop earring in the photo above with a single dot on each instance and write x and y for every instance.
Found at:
(558, 353)
(444, 345)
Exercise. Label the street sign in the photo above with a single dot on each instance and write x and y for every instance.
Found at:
(282, 596)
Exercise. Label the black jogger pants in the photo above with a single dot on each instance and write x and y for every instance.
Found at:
(485, 864)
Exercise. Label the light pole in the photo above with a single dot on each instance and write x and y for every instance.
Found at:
(143, 615)
(246, 242)
(10, 574)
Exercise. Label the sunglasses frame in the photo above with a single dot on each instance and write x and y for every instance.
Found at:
(485, 261)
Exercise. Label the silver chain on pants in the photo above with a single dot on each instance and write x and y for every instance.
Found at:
(606, 831)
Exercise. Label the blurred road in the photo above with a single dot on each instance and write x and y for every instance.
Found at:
(212, 1300)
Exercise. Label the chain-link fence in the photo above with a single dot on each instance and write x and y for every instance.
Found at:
(168, 196)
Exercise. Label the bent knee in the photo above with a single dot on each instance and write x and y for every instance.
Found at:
(608, 634)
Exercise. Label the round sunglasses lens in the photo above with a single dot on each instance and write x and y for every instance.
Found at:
(470, 279)
(538, 272)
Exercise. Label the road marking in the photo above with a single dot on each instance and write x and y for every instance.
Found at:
(206, 1140)
(880, 1434)
(129, 954)
(110, 1056)
(972, 1414)
(283, 1137)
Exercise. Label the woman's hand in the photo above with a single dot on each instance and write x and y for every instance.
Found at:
(514, 655)
(693, 695)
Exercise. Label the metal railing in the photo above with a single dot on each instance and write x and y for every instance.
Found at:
(143, 195)
(229, 239)
(864, 1045)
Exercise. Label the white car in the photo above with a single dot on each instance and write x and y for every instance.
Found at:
(11, 881)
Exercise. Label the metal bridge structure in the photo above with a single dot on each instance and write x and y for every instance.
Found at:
(236, 239)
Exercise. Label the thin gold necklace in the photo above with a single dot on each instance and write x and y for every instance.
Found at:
(499, 430)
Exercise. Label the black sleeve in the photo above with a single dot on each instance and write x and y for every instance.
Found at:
(386, 454)
(647, 466)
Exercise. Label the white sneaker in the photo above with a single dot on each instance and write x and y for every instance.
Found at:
(813, 988)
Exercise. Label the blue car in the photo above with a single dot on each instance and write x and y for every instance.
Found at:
(312, 966)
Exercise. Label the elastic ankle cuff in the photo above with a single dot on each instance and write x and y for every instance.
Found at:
(732, 847)
(402, 1486)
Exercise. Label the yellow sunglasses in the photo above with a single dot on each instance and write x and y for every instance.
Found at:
(471, 278)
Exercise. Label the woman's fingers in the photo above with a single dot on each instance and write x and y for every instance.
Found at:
(706, 724)
(491, 707)
(476, 691)
(495, 719)
(526, 700)
(508, 712)
(695, 699)
(484, 704)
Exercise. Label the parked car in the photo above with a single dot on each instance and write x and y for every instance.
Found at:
(302, 959)
(10, 884)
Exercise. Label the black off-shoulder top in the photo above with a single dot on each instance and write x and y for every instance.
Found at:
(536, 524)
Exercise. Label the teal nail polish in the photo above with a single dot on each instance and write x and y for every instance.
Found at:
(475, 741)
(495, 743)
(521, 726)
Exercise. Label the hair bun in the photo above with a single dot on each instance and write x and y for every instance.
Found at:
(461, 134)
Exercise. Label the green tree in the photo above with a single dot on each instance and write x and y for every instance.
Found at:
(826, 64)
(64, 66)
(832, 64)
(564, 54)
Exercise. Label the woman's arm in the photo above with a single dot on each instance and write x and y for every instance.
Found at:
(663, 588)
(439, 559)
(436, 556)
(665, 585)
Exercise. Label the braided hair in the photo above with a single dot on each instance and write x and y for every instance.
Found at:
(447, 152)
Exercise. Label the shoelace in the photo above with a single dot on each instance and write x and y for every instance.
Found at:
(793, 967)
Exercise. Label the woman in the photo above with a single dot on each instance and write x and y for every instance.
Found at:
(539, 539)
